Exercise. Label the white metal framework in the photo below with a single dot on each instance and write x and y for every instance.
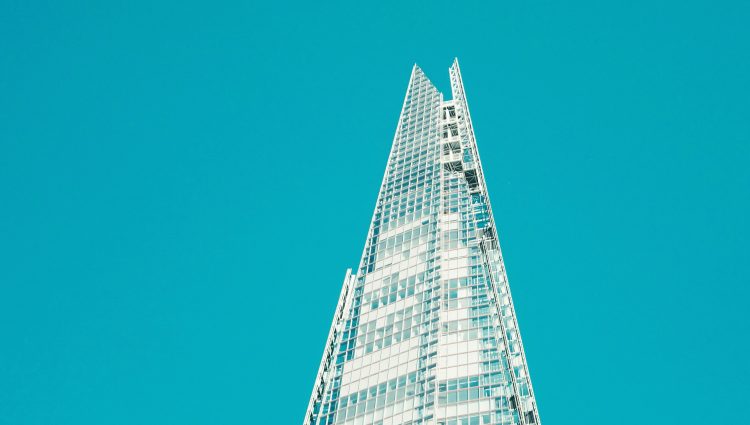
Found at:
(425, 331)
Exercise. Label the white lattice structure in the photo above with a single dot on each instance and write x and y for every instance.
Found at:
(425, 331)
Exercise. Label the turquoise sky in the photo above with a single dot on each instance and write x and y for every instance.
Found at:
(183, 184)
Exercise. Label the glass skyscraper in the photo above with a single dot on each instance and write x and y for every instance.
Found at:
(425, 331)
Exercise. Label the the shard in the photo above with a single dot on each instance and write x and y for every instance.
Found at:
(425, 331)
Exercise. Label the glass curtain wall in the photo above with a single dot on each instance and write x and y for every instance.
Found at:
(425, 331)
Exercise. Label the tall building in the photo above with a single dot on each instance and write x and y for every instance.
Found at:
(425, 331)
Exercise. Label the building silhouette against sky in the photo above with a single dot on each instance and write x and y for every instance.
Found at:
(425, 331)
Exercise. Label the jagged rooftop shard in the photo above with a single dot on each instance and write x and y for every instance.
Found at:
(425, 331)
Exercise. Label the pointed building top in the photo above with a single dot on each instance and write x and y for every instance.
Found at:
(419, 77)
(418, 70)
(455, 65)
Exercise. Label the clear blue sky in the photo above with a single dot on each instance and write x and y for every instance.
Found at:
(182, 186)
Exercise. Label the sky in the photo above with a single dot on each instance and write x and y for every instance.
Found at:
(183, 185)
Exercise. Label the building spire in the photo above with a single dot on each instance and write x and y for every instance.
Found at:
(427, 322)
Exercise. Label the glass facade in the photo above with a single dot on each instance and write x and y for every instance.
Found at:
(425, 331)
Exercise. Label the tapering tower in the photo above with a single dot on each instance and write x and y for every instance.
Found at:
(425, 331)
